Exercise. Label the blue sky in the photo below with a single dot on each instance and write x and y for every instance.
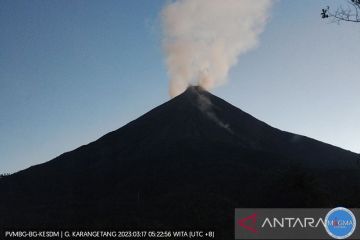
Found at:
(71, 71)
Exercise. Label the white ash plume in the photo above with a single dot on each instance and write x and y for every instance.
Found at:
(204, 38)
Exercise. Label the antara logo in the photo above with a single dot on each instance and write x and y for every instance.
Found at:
(249, 226)
(291, 222)
(249, 223)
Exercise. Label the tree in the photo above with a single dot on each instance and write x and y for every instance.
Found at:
(350, 13)
(3, 175)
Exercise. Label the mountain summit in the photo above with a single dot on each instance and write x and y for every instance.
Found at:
(187, 163)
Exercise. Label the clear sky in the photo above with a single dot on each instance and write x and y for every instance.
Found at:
(71, 71)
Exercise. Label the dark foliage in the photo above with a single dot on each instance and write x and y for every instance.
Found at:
(3, 175)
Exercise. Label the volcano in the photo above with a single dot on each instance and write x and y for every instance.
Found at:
(185, 164)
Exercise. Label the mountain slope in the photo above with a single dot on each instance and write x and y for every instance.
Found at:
(188, 162)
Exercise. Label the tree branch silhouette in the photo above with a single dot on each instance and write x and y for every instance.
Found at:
(350, 13)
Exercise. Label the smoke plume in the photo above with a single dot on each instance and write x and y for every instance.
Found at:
(204, 38)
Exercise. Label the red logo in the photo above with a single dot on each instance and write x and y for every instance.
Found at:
(249, 226)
